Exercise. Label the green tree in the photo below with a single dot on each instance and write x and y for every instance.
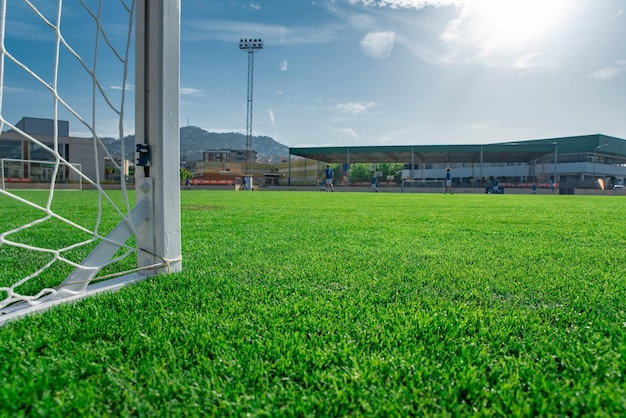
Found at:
(390, 169)
(360, 172)
(185, 174)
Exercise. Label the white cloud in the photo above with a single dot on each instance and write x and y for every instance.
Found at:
(354, 108)
(377, 44)
(283, 65)
(453, 28)
(8, 89)
(347, 131)
(119, 87)
(610, 72)
(534, 61)
(408, 4)
(202, 30)
(395, 136)
(272, 118)
(189, 91)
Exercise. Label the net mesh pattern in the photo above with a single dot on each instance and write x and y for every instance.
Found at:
(68, 61)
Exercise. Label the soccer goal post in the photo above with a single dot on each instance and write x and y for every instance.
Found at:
(157, 131)
(119, 243)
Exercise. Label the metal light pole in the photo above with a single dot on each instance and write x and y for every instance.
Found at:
(249, 45)
(594, 157)
(555, 161)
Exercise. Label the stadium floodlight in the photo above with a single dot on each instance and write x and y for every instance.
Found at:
(250, 46)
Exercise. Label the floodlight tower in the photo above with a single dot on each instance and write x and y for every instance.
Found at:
(249, 45)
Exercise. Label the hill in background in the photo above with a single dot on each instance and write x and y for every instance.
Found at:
(194, 140)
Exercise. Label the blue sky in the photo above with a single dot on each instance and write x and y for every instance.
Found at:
(392, 72)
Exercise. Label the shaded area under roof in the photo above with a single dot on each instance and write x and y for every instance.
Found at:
(507, 152)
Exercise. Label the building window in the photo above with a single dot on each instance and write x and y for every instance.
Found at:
(11, 149)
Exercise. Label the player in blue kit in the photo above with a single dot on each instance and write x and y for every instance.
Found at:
(448, 181)
(328, 174)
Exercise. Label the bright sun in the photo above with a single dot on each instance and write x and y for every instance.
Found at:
(515, 24)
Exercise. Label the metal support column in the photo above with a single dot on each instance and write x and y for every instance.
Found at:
(249, 45)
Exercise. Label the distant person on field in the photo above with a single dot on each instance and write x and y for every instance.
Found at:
(534, 188)
(448, 181)
(187, 184)
(374, 183)
(328, 175)
(494, 187)
(244, 184)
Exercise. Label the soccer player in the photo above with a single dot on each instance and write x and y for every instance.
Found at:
(328, 174)
(374, 183)
(448, 181)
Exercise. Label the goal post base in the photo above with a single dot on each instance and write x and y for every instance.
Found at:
(21, 309)
(78, 284)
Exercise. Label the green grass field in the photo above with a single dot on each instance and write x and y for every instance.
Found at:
(347, 304)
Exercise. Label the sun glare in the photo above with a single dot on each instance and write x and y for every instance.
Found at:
(515, 24)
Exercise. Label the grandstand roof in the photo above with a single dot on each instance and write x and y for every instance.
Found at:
(519, 151)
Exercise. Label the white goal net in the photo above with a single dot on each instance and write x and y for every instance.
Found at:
(70, 64)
